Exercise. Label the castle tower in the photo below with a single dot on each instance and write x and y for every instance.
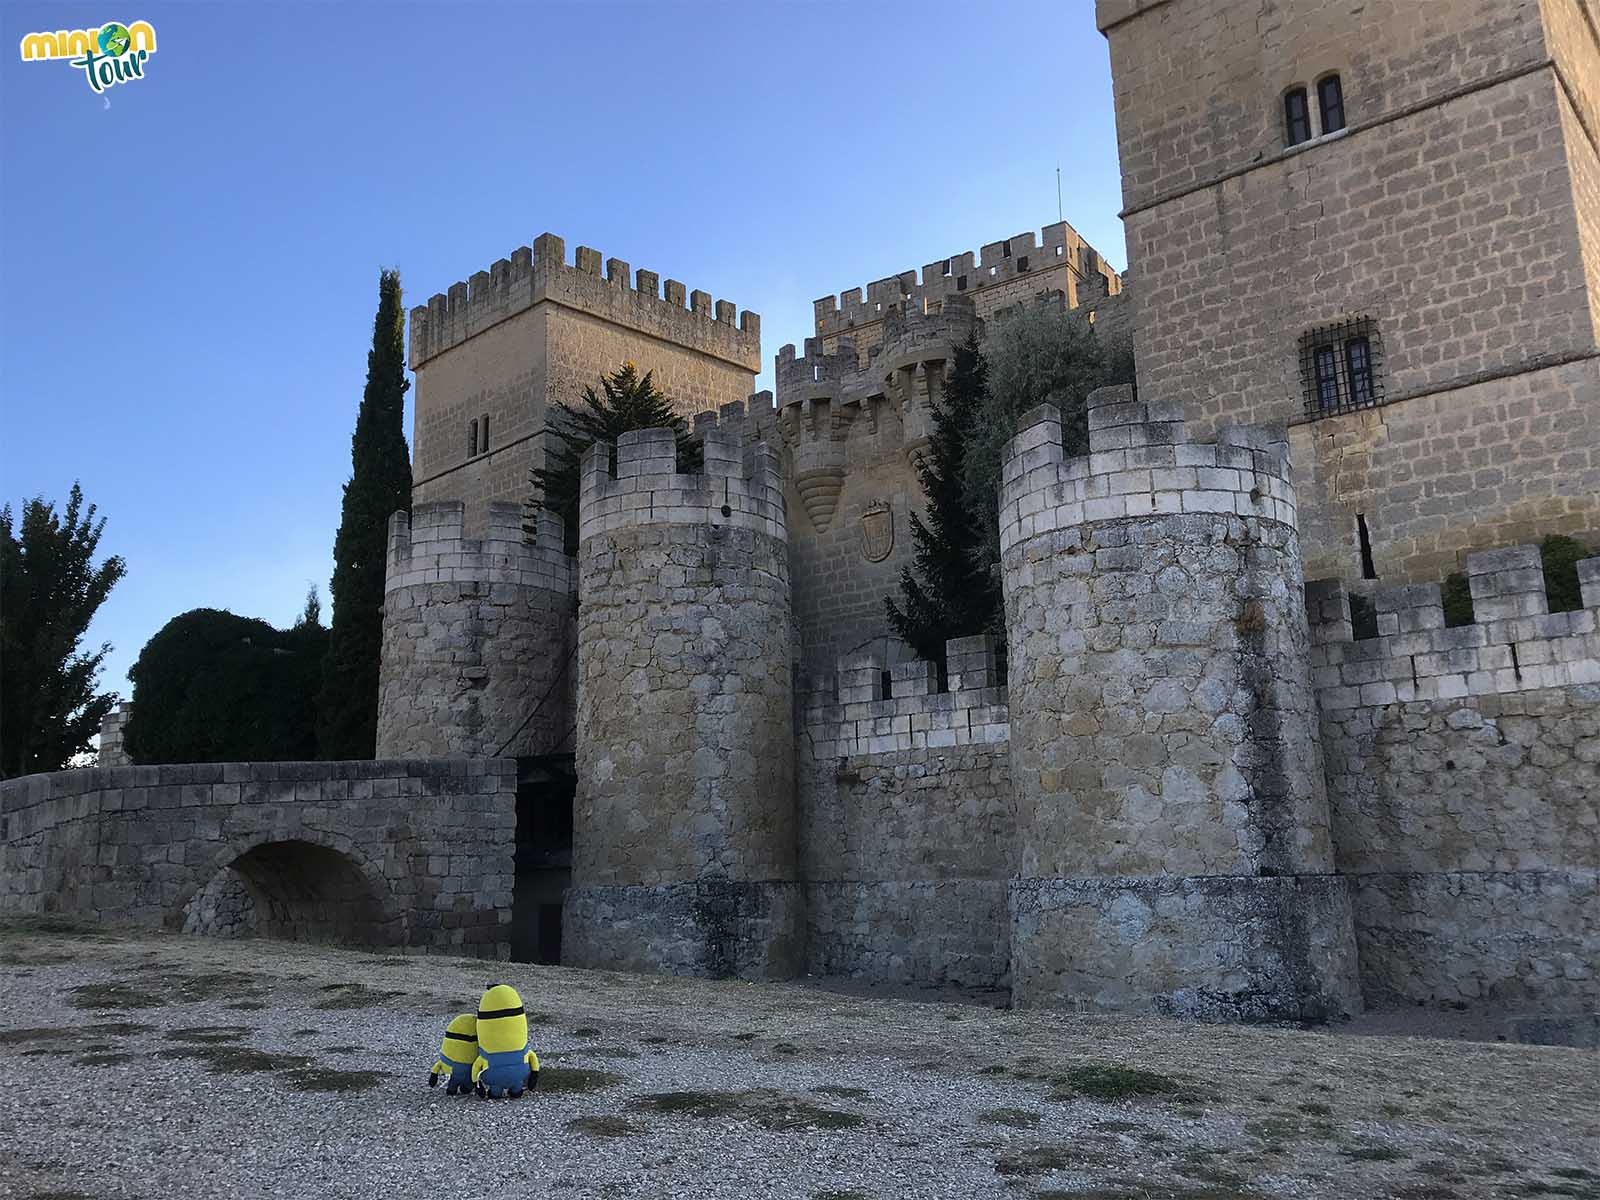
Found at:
(684, 830)
(498, 350)
(477, 636)
(1379, 222)
(1172, 816)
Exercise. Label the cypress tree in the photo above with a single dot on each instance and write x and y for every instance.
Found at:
(626, 401)
(380, 485)
(950, 591)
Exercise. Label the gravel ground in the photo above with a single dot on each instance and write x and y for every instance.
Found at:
(140, 1065)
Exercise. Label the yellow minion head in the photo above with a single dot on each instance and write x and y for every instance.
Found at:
(502, 1025)
(460, 1042)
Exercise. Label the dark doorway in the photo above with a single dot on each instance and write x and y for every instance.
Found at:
(546, 786)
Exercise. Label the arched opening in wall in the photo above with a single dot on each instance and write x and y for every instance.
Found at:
(547, 786)
(294, 890)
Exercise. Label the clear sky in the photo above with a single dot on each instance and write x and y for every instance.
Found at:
(188, 274)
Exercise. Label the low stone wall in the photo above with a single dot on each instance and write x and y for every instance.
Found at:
(1464, 785)
(412, 854)
(906, 830)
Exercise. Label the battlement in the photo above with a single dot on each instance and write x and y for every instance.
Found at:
(1516, 644)
(1140, 463)
(636, 301)
(872, 709)
(429, 545)
(997, 262)
(816, 375)
(741, 484)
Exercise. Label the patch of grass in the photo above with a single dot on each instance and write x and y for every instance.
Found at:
(1014, 1118)
(1574, 1173)
(1392, 1110)
(1315, 1110)
(1041, 1159)
(539, 1018)
(1372, 1152)
(991, 1069)
(746, 1036)
(1543, 1187)
(566, 1080)
(586, 1031)
(37, 1033)
(610, 1052)
(354, 995)
(49, 925)
(240, 1060)
(785, 1048)
(325, 1079)
(1112, 1081)
(208, 1034)
(770, 1110)
(1209, 1172)
(343, 1049)
(655, 1039)
(842, 1092)
(1117, 1127)
(305, 1032)
(1289, 1129)
(247, 1005)
(115, 995)
(605, 1126)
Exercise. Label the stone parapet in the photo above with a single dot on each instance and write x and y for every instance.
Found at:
(741, 486)
(428, 545)
(1514, 645)
(541, 272)
(1139, 464)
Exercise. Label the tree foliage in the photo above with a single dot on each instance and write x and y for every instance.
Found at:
(626, 401)
(211, 686)
(949, 591)
(1037, 353)
(380, 485)
(50, 589)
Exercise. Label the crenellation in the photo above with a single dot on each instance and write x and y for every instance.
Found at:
(538, 273)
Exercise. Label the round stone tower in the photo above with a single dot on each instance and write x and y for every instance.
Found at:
(684, 829)
(477, 637)
(1171, 808)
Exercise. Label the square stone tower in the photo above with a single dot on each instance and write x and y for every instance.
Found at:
(1377, 221)
(493, 354)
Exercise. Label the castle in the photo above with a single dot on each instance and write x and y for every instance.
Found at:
(1364, 296)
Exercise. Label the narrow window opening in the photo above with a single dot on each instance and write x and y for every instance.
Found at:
(483, 439)
(1358, 367)
(472, 438)
(1327, 379)
(1296, 116)
(1060, 250)
(1330, 99)
(1368, 571)
(993, 271)
(1005, 249)
(1022, 263)
(884, 684)
(947, 268)
(961, 283)
(816, 372)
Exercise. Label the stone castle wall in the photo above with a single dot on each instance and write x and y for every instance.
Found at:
(477, 636)
(535, 330)
(684, 826)
(1444, 212)
(1013, 271)
(906, 832)
(1174, 848)
(113, 734)
(1464, 779)
(413, 854)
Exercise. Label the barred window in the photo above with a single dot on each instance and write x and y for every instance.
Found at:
(1330, 100)
(1341, 367)
(1296, 117)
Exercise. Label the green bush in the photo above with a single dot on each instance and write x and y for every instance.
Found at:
(1457, 600)
(214, 687)
(1560, 556)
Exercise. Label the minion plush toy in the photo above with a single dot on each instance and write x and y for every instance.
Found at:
(506, 1064)
(456, 1052)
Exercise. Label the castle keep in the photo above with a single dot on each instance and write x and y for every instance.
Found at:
(1365, 301)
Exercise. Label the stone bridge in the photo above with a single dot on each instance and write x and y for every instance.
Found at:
(415, 853)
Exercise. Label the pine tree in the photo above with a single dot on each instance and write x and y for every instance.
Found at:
(50, 589)
(950, 591)
(627, 401)
(380, 485)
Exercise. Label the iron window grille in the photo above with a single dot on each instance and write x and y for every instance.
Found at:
(1341, 367)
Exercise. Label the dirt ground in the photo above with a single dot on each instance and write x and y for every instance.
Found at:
(140, 1065)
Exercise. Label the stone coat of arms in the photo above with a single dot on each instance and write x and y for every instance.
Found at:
(877, 531)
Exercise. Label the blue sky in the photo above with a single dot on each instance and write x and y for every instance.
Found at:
(188, 274)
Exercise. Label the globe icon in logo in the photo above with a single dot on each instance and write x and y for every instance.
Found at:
(114, 39)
